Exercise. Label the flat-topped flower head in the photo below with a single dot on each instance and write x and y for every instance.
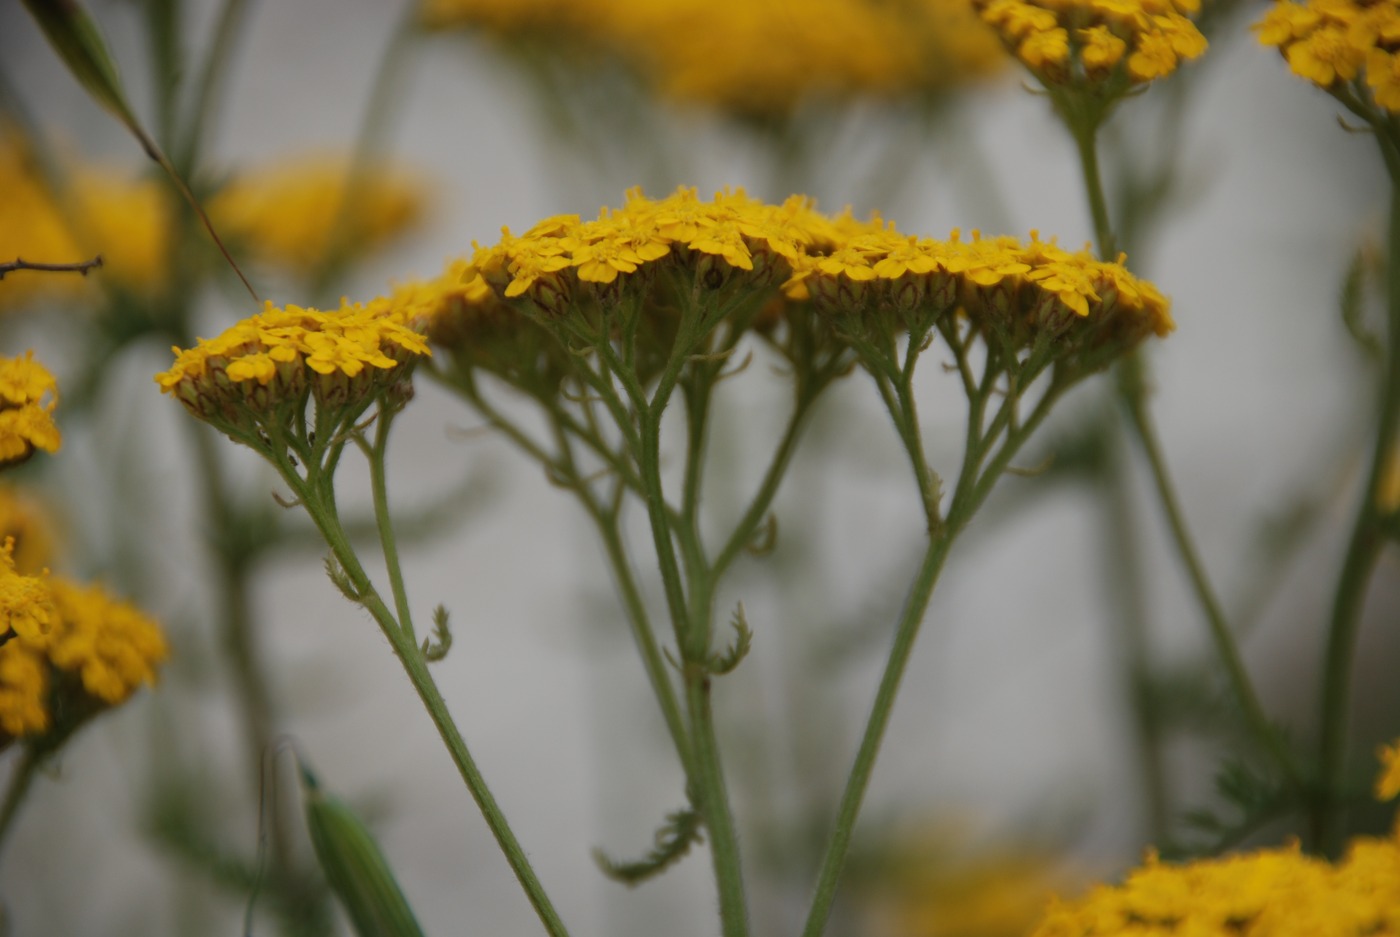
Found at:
(1267, 892)
(1342, 46)
(742, 256)
(258, 376)
(561, 262)
(28, 395)
(1020, 293)
(1107, 44)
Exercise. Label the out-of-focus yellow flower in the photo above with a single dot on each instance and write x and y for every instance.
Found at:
(109, 644)
(1340, 42)
(28, 395)
(24, 690)
(1067, 42)
(752, 59)
(98, 211)
(1388, 781)
(25, 521)
(292, 214)
(935, 884)
(94, 652)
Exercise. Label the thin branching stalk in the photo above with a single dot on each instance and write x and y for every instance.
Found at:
(1363, 549)
(1133, 396)
(316, 493)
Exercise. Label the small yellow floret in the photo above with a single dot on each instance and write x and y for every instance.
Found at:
(26, 603)
(28, 395)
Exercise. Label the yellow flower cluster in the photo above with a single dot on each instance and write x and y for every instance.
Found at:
(26, 604)
(96, 212)
(1072, 41)
(68, 650)
(1266, 893)
(292, 214)
(28, 395)
(749, 58)
(275, 360)
(841, 265)
(1332, 42)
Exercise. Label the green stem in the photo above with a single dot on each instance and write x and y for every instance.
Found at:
(321, 508)
(373, 128)
(1133, 394)
(1363, 549)
(637, 617)
(236, 627)
(211, 79)
(768, 488)
(380, 494)
(714, 805)
(834, 859)
(1122, 562)
(1085, 133)
(20, 780)
(974, 484)
(1220, 630)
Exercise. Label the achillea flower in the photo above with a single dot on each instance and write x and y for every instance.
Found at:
(28, 395)
(293, 215)
(1340, 45)
(1095, 42)
(97, 212)
(563, 256)
(1269, 893)
(789, 261)
(751, 60)
(259, 374)
(1266, 893)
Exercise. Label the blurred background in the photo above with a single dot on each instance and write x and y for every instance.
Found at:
(1014, 739)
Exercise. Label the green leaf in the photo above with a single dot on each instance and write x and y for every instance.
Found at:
(673, 841)
(720, 664)
(78, 42)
